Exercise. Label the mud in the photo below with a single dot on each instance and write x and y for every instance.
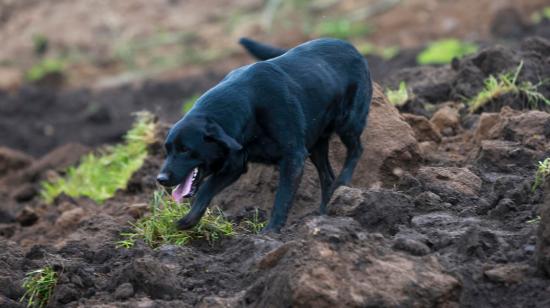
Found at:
(439, 214)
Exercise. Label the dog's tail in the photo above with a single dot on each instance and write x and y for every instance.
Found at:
(261, 51)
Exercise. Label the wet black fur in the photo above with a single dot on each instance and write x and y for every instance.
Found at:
(278, 112)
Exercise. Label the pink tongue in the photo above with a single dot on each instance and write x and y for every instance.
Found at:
(183, 189)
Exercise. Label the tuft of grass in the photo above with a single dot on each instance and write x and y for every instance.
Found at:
(189, 103)
(39, 285)
(538, 16)
(542, 173)
(99, 176)
(399, 96)
(255, 224)
(44, 68)
(160, 227)
(342, 28)
(507, 84)
(443, 51)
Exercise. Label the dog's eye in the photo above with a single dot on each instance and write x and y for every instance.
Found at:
(181, 148)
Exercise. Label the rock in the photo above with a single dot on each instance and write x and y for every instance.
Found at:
(508, 24)
(503, 207)
(334, 265)
(377, 210)
(70, 218)
(27, 216)
(506, 156)
(424, 130)
(508, 273)
(223, 302)
(7, 230)
(446, 119)
(427, 200)
(11, 160)
(530, 128)
(450, 181)
(124, 291)
(486, 122)
(411, 246)
(6, 216)
(390, 150)
(542, 252)
(24, 193)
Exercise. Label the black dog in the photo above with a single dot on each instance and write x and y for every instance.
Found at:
(278, 112)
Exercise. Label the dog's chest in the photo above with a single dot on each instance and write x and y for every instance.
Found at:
(263, 150)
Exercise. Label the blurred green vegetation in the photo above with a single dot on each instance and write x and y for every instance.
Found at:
(44, 68)
(99, 176)
(189, 103)
(399, 96)
(443, 51)
(538, 16)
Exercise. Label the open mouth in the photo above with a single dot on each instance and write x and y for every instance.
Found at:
(188, 187)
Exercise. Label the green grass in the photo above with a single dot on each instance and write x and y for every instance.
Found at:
(507, 83)
(542, 173)
(44, 68)
(188, 103)
(39, 285)
(443, 51)
(99, 176)
(160, 227)
(342, 28)
(386, 53)
(40, 44)
(255, 224)
(399, 96)
(538, 16)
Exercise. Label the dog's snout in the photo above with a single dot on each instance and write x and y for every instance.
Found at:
(163, 179)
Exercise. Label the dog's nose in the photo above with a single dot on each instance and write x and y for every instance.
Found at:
(163, 179)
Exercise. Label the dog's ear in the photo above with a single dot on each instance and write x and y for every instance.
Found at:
(214, 131)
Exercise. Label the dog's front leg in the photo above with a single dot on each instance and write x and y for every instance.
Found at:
(213, 185)
(290, 173)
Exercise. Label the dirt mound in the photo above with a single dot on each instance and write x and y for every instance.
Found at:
(390, 150)
(36, 120)
(464, 78)
(441, 213)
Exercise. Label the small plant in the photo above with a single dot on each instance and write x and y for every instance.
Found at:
(542, 173)
(189, 103)
(160, 227)
(44, 68)
(539, 16)
(443, 51)
(98, 176)
(254, 224)
(40, 44)
(507, 84)
(39, 285)
(398, 97)
(342, 28)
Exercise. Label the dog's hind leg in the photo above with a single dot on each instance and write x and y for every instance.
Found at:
(290, 173)
(319, 157)
(350, 134)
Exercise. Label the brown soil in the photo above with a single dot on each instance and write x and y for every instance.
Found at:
(440, 214)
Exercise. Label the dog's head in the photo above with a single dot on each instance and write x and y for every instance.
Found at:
(195, 148)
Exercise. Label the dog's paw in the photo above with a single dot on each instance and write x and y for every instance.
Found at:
(187, 223)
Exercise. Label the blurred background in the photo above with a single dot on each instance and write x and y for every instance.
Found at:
(75, 70)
